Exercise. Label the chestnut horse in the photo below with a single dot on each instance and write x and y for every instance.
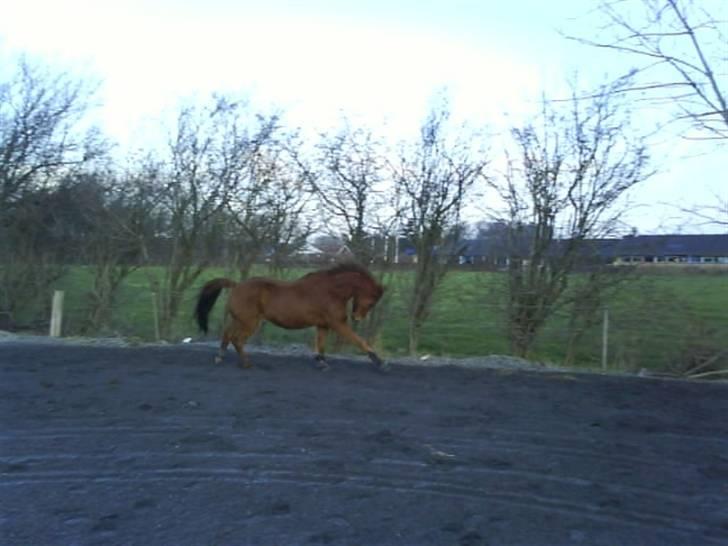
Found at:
(317, 299)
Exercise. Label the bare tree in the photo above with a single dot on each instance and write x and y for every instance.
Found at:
(588, 296)
(32, 258)
(110, 217)
(680, 53)
(270, 209)
(289, 222)
(715, 214)
(40, 114)
(351, 189)
(678, 48)
(433, 178)
(355, 194)
(40, 140)
(208, 157)
(564, 187)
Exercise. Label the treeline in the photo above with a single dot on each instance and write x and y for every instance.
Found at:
(235, 185)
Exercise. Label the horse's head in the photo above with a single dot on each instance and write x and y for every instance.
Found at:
(356, 283)
(366, 297)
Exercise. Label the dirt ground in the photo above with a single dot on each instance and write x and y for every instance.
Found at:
(158, 446)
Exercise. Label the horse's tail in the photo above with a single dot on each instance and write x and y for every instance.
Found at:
(207, 298)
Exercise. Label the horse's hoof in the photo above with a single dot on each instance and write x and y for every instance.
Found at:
(378, 362)
(384, 367)
(321, 363)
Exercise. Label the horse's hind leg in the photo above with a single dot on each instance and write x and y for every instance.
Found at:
(321, 363)
(243, 332)
(223, 346)
(244, 358)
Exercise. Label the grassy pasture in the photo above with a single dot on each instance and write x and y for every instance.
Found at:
(655, 320)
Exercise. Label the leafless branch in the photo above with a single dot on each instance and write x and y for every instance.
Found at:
(687, 41)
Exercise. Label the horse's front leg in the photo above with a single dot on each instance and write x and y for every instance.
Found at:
(345, 331)
(321, 363)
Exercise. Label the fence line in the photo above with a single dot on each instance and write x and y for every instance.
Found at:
(654, 325)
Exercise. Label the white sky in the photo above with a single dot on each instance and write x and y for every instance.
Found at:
(379, 62)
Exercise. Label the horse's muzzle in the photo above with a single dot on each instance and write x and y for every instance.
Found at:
(359, 315)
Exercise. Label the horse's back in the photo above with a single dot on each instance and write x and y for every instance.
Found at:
(288, 304)
(257, 291)
(246, 296)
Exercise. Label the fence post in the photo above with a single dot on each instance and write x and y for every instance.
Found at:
(605, 338)
(57, 314)
(155, 314)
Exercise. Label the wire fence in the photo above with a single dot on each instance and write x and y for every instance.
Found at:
(664, 323)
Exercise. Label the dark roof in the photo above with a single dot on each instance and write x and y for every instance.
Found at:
(672, 245)
(638, 245)
(493, 246)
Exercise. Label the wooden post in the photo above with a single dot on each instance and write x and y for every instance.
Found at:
(155, 313)
(57, 313)
(605, 338)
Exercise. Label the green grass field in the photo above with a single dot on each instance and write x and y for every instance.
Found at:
(655, 320)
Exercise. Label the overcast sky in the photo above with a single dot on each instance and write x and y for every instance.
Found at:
(379, 62)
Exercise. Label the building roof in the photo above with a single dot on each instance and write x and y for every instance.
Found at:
(638, 245)
(672, 245)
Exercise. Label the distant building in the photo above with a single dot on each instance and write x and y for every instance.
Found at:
(685, 249)
(637, 249)
(497, 249)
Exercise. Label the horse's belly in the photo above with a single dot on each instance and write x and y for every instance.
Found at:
(289, 323)
(291, 311)
(291, 318)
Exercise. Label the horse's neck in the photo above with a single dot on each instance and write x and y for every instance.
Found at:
(349, 284)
